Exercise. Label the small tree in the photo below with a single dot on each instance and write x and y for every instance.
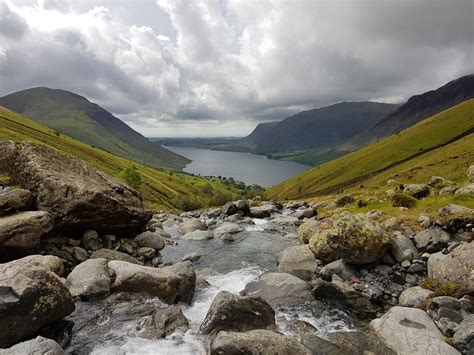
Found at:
(132, 177)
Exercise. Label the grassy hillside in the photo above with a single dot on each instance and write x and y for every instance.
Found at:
(384, 158)
(77, 117)
(161, 189)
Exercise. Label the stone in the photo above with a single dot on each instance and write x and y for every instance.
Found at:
(262, 211)
(32, 296)
(356, 342)
(319, 346)
(227, 238)
(229, 209)
(307, 229)
(89, 279)
(36, 346)
(446, 307)
(114, 255)
(198, 235)
(437, 180)
(299, 261)
(455, 209)
(344, 200)
(172, 284)
(457, 267)
(79, 254)
(23, 230)
(467, 190)
(339, 268)
(191, 226)
(306, 213)
(354, 238)
(463, 338)
(91, 240)
(448, 190)
(164, 322)
(227, 227)
(229, 312)
(279, 289)
(470, 173)
(431, 240)
(256, 342)
(392, 223)
(411, 331)
(192, 257)
(286, 221)
(416, 268)
(146, 252)
(414, 296)
(373, 293)
(418, 191)
(150, 240)
(402, 249)
(16, 200)
(63, 186)
(242, 205)
(405, 264)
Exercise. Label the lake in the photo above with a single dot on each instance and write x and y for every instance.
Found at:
(247, 167)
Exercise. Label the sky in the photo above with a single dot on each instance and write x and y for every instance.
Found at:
(172, 68)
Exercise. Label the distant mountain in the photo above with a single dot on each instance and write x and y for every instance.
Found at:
(75, 116)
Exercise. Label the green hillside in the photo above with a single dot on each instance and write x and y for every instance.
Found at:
(408, 150)
(77, 117)
(161, 189)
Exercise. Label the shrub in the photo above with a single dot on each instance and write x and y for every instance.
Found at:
(207, 189)
(221, 199)
(185, 204)
(403, 200)
(132, 177)
(452, 289)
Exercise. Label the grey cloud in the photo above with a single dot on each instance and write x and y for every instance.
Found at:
(11, 24)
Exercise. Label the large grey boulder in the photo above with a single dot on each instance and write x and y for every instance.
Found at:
(463, 338)
(402, 249)
(36, 346)
(12, 201)
(256, 342)
(110, 255)
(263, 211)
(77, 195)
(431, 240)
(150, 240)
(23, 230)
(231, 312)
(418, 191)
(414, 296)
(360, 343)
(165, 321)
(32, 296)
(279, 289)
(89, 279)
(191, 226)
(198, 235)
(299, 261)
(411, 331)
(457, 267)
(171, 284)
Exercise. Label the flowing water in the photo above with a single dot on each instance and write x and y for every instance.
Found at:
(116, 327)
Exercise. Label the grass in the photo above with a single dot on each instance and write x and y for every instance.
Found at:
(160, 187)
(410, 155)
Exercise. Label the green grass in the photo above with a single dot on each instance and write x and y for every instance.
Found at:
(403, 156)
(160, 187)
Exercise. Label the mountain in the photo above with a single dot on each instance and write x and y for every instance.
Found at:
(433, 137)
(161, 189)
(77, 117)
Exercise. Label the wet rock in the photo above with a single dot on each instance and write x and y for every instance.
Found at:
(227, 238)
(299, 261)
(16, 200)
(114, 255)
(191, 226)
(456, 267)
(431, 240)
(198, 235)
(89, 279)
(150, 240)
(360, 343)
(192, 257)
(344, 200)
(23, 230)
(402, 248)
(354, 238)
(414, 296)
(165, 321)
(307, 229)
(463, 338)
(171, 284)
(146, 252)
(325, 289)
(91, 240)
(256, 342)
(306, 213)
(279, 289)
(63, 185)
(286, 221)
(411, 331)
(32, 296)
(319, 346)
(231, 312)
(339, 268)
(418, 191)
(230, 228)
(36, 346)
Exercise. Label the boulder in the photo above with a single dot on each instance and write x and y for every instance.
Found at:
(231, 312)
(114, 255)
(243, 206)
(286, 221)
(339, 268)
(171, 284)
(36, 346)
(256, 342)
(344, 200)
(402, 249)
(411, 331)
(198, 235)
(418, 191)
(448, 191)
(299, 261)
(447, 307)
(470, 173)
(279, 289)
(307, 229)
(16, 200)
(356, 342)
(77, 195)
(463, 338)
(227, 228)
(436, 181)
(457, 267)
(150, 240)
(414, 296)
(89, 279)
(165, 321)
(306, 213)
(455, 209)
(356, 239)
(467, 190)
(23, 230)
(192, 257)
(32, 296)
(431, 240)
(402, 200)
(191, 226)
(91, 240)
(262, 211)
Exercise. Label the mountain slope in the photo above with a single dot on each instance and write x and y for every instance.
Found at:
(432, 133)
(79, 118)
(160, 189)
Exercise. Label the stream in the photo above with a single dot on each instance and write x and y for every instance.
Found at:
(116, 326)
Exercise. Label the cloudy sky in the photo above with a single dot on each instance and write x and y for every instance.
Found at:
(216, 67)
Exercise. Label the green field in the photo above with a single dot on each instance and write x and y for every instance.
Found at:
(161, 189)
(410, 155)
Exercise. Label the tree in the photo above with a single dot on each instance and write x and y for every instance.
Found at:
(132, 177)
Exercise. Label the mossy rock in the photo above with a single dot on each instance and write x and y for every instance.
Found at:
(320, 247)
(307, 230)
(403, 200)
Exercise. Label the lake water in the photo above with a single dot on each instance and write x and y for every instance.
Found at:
(246, 167)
